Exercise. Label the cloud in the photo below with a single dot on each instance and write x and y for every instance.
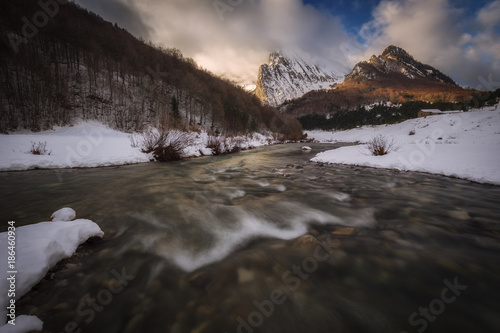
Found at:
(435, 32)
(489, 16)
(124, 13)
(234, 37)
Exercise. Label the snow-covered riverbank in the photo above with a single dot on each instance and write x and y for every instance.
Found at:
(91, 144)
(31, 251)
(464, 145)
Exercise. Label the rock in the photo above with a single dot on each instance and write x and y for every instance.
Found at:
(200, 280)
(201, 328)
(177, 328)
(306, 242)
(245, 275)
(63, 215)
(337, 257)
(390, 235)
(344, 231)
(134, 323)
(61, 306)
(204, 311)
(460, 215)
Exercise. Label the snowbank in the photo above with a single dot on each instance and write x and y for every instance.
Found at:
(86, 144)
(464, 145)
(92, 144)
(38, 247)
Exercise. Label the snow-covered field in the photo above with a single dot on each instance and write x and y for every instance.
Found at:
(464, 145)
(36, 248)
(90, 144)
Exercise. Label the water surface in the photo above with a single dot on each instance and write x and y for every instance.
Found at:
(217, 244)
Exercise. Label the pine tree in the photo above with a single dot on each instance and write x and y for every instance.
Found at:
(175, 107)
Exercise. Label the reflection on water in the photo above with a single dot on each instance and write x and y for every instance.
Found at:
(217, 245)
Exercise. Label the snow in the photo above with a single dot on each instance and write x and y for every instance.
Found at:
(86, 144)
(92, 144)
(38, 248)
(463, 144)
(63, 214)
(290, 75)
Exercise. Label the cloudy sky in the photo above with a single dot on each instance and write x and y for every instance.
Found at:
(234, 37)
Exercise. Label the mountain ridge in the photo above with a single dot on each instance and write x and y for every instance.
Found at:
(394, 76)
(395, 60)
(289, 75)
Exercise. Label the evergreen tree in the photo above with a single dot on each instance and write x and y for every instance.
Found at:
(175, 107)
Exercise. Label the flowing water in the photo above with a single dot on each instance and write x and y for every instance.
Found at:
(265, 241)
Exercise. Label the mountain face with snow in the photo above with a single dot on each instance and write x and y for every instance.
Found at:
(394, 76)
(395, 61)
(288, 76)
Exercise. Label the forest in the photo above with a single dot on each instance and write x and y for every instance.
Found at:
(61, 62)
(389, 114)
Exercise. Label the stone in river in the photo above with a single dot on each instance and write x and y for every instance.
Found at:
(306, 242)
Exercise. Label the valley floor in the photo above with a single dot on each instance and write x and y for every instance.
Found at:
(464, 145)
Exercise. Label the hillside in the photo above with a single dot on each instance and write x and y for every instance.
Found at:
(78, 66)
(394, 76)
(461, 144)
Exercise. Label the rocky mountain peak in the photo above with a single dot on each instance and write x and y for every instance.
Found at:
(276, 58)
(288, 76)
(395, 62)
(396, 52)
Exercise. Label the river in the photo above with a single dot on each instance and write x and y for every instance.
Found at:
(266, 241)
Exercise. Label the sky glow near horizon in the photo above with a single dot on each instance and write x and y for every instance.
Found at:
(233, 38)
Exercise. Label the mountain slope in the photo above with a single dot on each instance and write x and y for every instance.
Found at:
(394, 76)
(288, 76)
(78, 66)
(395, 61)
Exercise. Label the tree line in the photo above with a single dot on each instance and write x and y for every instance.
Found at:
(78, 65)
(390, 114)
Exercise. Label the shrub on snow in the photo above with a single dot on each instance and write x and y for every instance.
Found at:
(39, 148)
(165, 144)
(381, 145)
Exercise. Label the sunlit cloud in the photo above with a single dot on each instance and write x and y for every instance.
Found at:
(233, 38)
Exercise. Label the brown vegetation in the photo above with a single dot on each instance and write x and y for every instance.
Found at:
(352, 95)
(39, 148)
(381, 145)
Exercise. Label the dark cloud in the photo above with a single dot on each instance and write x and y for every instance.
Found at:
(234, 37)
(464, 46)
(125, 14)
(234, 40)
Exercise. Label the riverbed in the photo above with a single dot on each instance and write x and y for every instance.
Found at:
(266, 241)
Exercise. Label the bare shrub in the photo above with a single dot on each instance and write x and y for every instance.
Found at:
(217, 144)
(381, 145)
(150, 139)
(39, 148)
(165, 144)
(221, 144)
(135, 141)
(279, 138)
